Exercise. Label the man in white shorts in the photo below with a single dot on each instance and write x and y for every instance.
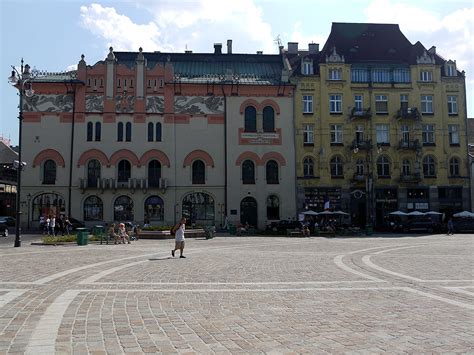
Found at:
(179, 237)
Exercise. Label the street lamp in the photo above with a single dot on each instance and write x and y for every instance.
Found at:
(22, 81)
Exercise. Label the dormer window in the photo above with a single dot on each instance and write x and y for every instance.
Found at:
(426, 75)
(307, 67)
(451, 69)
(335, 74)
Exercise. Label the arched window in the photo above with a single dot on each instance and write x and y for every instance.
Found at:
(272, 172)
(199, 172)
(120, 132)
(49, 172)
(249, 211)
(360, 167)
(454, 167)
(128, 132)
(406, 167)
(93, 209)
(198, 207)
(336, 167)
(89, 131)
(268, 119)
(46, 205)
(429, 166)
(123, 209)
(158, 132)
(250, 119)
(308, 167)
(273, 207)
(124, 171)
(383, 167)
(248, 172)
(154, 209)
(98, 131)
(150, 132)
(154, 173)
(93, 172)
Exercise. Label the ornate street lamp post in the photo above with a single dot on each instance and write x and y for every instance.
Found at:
(22, 81)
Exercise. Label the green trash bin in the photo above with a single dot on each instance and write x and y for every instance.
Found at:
(99, 231)
(82, 236)
(232, 229)
(369, 229)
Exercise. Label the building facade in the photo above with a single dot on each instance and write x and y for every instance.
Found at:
(8, 180)
(380, 125)
(151, 137)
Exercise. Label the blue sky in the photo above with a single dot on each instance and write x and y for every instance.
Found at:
(52, 35)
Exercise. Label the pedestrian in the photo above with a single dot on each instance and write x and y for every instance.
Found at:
(450, 226)
(52, 225)
(42, 221)
(61, 224)
(179, 237)
(123, 233)
(67, 225)
(47, 223)
(112, 234)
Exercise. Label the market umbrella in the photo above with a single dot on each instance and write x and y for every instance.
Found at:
(465, 214)
(325, 213)
(433, 212)
(398, 213)
(310, 213)
(415, 213)
(341, 213)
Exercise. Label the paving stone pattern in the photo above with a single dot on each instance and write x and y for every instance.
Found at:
(241, 295)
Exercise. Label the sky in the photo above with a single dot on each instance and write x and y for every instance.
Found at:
(52, 34)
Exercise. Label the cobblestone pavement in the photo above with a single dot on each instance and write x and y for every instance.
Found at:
(412, 294)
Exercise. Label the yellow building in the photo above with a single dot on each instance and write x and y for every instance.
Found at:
(380, 125)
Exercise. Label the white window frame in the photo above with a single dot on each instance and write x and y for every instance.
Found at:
(452, 105)
(426, 75)
(381, 99)
(428, 133)
(335, 74)
(307, 67)
(404, 101)
(336, 133)
(450, 70)
(426, 103)
(359, 133)
(405, 130)
(405, 167)
(308, 136)
(307, 103)
(382, 133)
(358, 103)
(453, 132)
(335, 103)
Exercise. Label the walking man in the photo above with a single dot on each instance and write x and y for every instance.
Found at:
(179, 237)
(450, 226)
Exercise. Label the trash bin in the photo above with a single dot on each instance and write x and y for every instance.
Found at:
(316, 230)
(232, 229)
(99, 231)
(82, 236)
(369, 229)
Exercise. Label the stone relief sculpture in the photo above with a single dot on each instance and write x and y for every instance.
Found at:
(199, 105)
(155, 104)
(48, 103)
(124, 103)
(94, 103)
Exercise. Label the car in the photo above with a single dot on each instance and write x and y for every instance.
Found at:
(423, 224)
(3, 229)
(9, 221)
(76, 223)
(463, 225)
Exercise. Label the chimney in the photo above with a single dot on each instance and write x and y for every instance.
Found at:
(229, 46)
(217, 48)
(313, 48)
(187, 51)
(293, 47)
(259, 52)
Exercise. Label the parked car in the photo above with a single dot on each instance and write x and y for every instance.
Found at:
(423, 224)
(76, 223)
(9, 221)
(283, 225)
(463, 225)
(3, 229)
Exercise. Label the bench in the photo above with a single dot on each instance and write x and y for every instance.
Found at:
(294, 233)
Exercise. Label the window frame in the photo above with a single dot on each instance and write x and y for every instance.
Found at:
(426, 102)
(335, 103)
(248, 172)
(381, 104)
(336, 165)
(336, 134)
(308, 134)
(429, 166)
(453, 134)
(308, 167)
(452, 104)
(307, 101)
(198, 172)
(382, 133)
(428, 134)
(454, 167)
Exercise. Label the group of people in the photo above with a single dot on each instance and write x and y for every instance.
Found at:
(121, 236)
(52, 226)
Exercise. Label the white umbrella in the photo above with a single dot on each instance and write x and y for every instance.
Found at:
(465, 214)
(398, 213)
(416, 213)
(310, 213)
(325, 213)
(341, 213)
(433, 212)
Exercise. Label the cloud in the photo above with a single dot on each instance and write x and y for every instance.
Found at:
(303, 40)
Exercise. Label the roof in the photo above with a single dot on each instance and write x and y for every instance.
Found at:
(7, 155)
(210, 67)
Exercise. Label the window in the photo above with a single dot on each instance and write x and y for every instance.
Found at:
(49, 172)
(360, 167)
(406, 167)
(123, 209)
(250, 119)
(154, 173)
(381, 103)
(90, 126)
(97, 131)
(154, 209)
(428, 134)
(358, 103)
(93, 209)
(308, 167)
(307, 67)
(452, 105)
(383, 167)
(272, 172)
(382, 133)
(401, 75)
(93, 173)
(150, 132)
(198, 206)
(120, 132)
(429, 169)
(335, 74)
(336, 133)
(454, 167)
(405, 130)
(158, 131)
(199, 172)
(335, 103)
(404, 102)
(273, 207)
(248, 172)
(359, 134)
(268, 119)
(453, 134)
(450, 70)
(124, 171)
(128, 132)
(336, 167)
(426, 75)
(426, 104)
(307, 104)
(359, 75)
(381, 76)
(308, 134)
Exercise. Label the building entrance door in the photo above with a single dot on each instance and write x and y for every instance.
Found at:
(248, 211)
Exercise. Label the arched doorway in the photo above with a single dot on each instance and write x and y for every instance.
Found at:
(198, 207)
(123, 209)
(248, 211)
(154, 209)
(47, 204)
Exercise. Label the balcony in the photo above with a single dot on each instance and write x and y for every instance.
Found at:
(409, 144)
(361, 145)
(410, 113)
(364, 113)
(132, 184)
(412, 178)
